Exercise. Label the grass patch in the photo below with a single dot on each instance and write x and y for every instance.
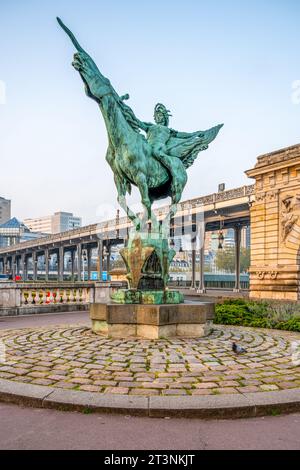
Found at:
(87, 411)
(274, 412)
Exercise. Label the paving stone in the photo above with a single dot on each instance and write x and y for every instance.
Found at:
(181, 392)
(229, 383)
(206, 385)
(225, 391)
(90, 388)
(80, 380)
(105, 383)
(42, 382)
(287, 385)
(117, 390)
(201, 392)
(144, 391)
(249, 389)
(268, 388)
(65, 385)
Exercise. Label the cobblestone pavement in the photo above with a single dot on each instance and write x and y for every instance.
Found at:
(72, 357)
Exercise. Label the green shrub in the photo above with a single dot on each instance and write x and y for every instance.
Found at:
(291, 325)
(258, 314)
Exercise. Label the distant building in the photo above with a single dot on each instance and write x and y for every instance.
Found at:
(13, 231)
(5, 210)
(41, 224)
(64, 221)
(245, 237)
(56, 223)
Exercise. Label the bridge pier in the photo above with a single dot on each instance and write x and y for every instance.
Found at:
(34, 264)
(237, 239)
(100, 259)
(89, 255)
(201, 287)
(13, 266)
(46, 257)
(61, 259)
(193, 284)
(79, 261)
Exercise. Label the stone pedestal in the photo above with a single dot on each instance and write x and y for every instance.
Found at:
(152, 321)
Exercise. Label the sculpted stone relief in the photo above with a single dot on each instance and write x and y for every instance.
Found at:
(290, 213)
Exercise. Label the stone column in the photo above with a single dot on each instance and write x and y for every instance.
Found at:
(107, 259)
(34, 264)
(89, 255)
(79, 261)
(18, 262)
(275, 226)
(100, 260)
(72, 264)
(46, 254)
(5, 265)
(61, 259)
(201, 289)
(237, 239)
(24, 266)
(13, 266)
(193, 285)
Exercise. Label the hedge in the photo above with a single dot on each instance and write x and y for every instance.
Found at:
(258, 314)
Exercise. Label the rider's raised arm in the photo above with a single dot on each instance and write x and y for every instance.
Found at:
(145, 126)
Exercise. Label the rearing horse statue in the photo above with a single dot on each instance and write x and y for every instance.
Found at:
(156, 161)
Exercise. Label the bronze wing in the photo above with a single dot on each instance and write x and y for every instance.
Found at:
(188, 148)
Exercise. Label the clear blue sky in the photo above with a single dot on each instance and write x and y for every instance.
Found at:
(209, 62)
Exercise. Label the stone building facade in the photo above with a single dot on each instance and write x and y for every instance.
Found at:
(275, 226)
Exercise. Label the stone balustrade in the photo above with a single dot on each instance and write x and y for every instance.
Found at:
(37, 297)
(54, 295)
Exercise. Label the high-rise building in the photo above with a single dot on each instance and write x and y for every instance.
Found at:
(56, 223)
(40, 224)
(5, 210)
(245, 237)
(64, 221)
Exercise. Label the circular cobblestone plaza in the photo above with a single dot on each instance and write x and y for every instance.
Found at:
(74, 358)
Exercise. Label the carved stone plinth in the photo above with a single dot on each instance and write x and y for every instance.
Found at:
(152, 321)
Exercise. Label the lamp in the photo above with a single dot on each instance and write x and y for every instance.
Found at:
(221, 235)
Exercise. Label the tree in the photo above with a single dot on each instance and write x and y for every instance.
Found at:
(225, 260)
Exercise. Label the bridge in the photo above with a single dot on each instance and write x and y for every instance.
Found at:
(271, 207)
(227, 209)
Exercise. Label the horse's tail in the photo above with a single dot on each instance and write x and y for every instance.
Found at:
(71, 36)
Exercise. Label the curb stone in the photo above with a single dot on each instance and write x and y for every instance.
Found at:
(205, 407)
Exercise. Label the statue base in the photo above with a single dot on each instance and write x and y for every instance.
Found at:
(152, 321)
(152, 297)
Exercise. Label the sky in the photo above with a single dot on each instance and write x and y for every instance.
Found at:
(226, 61)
